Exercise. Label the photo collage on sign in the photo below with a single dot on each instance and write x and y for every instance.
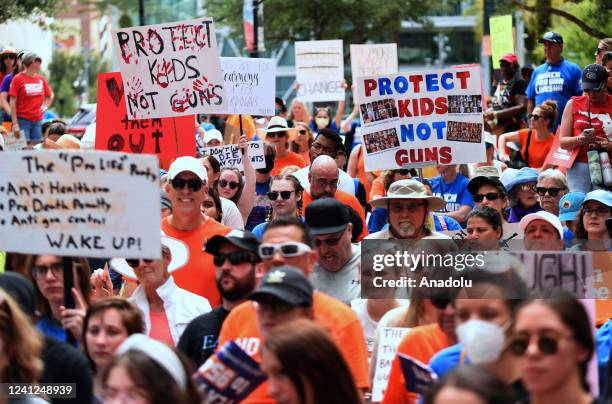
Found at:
(381, 141)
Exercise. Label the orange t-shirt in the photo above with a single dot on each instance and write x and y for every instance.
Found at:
(421, 343)
(378, 189)
(290, 159)
(160, 328)
(333, 315)
(198, 276)
(346, 199)
(232, 124)
(537, 150)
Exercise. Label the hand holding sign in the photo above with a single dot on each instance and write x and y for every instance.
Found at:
(72, 319)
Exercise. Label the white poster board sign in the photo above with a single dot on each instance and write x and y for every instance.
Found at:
(373, 60)
(231, 156)
(96, 204)
(250, 85)
(170, 69)
(422, 118)
(390, 338)
(15, 141)
(319, 69)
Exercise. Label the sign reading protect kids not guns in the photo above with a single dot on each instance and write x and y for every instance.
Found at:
(164, 137)
(170, 69)
(419, 119)
(98, 204)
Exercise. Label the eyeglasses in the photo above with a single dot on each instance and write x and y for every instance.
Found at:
(535, 117)
(528, 187)
(329, 241)
(599, 211)
(40, 271)
(228, 184)
(273, 195)
(287, 250)
(546, 344)
(193, 184)
(399, 208)
(272, 135)
(318, 147)
(235, 258)
(302, 131)
(551, 191)
(491, 196)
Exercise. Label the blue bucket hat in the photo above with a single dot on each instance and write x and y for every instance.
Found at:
(569, 205)
(522, 176)
(599, 195)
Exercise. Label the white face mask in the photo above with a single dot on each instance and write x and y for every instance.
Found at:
(482, 341)
(322, 122)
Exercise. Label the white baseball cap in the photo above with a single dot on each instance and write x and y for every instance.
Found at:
(542, 215)
(212, 134)
(188, 163)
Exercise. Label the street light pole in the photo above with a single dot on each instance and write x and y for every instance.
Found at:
(141, 12)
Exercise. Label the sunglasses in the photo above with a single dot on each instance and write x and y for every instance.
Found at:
(403, 171)
(235, 258)
(287, 250)
(226, 184)
(329, 241)
(273, 195)
(135, 262)
(302, 131)
(440, 303)
(272, 135)
(9, 56)
(551, 191)
(535, 117)
(193, 184)
(600, 50)
(40, 271)
(546, 345)
(491, 196)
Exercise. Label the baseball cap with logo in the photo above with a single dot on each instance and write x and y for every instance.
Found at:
(287, 284)
(551, 37)
(569, 205)
(187, 163)
(594, 77)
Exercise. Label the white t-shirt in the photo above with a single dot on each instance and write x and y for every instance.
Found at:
(345, 181)
(231, 215)
(360, 307)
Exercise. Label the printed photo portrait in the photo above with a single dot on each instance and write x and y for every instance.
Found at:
(464, 132)
(381, 141)
(377, 111)
(464, 104)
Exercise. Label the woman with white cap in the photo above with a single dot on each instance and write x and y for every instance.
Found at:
(277, 133)
(591, 231)
(167, 309)
(148, 372)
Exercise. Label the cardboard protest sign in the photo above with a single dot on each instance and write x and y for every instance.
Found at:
(418, 377)
(418, 119)
(228, 376)
(319, 69)
(502, 37)
(373, 60)
(390, 337)
(164, 137)
(15, 141)
(560, 157)
(250, 85)
(170, 69)
(231, 156)
(95, 204)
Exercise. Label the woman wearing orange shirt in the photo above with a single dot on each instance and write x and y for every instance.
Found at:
(302, 141)
(277, 133)
(541, 120)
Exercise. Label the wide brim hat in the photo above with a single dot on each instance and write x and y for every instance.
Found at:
(179, 258)
(409, 189)
(277, 124)
(8, 51)
(522, 176)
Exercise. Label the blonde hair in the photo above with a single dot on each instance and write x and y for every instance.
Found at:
(305, 115)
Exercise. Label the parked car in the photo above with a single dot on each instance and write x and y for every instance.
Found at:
(81, 120)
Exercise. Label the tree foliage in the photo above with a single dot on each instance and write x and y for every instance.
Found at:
(354, 21)
(15, 9)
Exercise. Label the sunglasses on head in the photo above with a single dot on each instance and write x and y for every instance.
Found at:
(547, 345)
(287, 250)
(226, 184)
(491, 196)
(551, 191)
(273, 195)
(272, 135)
(193, 184)
(235, 258)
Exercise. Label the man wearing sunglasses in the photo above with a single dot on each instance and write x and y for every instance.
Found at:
(186, 188)
(166, 308)
(235, 262)
(287, 241)
(337, 269)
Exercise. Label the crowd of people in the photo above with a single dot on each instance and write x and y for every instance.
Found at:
(270, 259)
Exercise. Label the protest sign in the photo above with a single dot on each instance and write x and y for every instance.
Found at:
(250, 85)
(560, 157)
(165, 137)
(231, 156)
(390, 337)
(373, 60)
(418, 119)
(170, 69)
(15, 141)
(228, 376)
(502, 37)
(418, 377)
(95, 204)
(319, 69)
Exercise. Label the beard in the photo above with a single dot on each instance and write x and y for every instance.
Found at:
(405, 229)
(240, 290)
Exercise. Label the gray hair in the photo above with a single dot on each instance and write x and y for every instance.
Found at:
(554, 175)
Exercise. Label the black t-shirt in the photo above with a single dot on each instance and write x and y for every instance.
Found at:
(200, 338)
(63, 363)
(504, 97)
